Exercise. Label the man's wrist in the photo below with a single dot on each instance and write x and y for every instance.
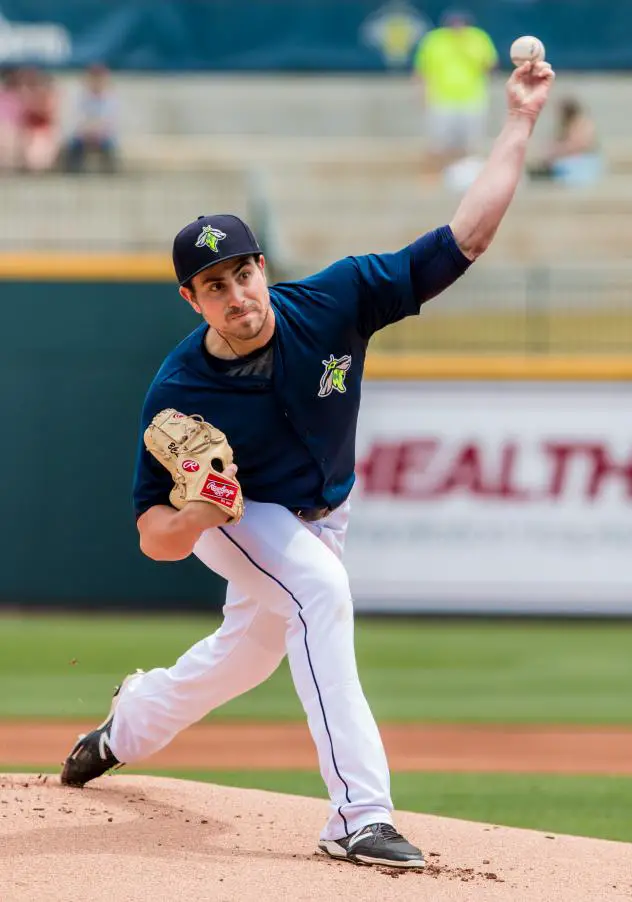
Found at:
(522, 119)
(200, 515)
(517, 129)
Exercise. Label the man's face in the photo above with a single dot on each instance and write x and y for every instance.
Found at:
(232, 297)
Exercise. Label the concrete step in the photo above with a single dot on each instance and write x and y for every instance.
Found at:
(177, 152)
(288, 105)
(96, 213)
(320, 212)
(319, 238)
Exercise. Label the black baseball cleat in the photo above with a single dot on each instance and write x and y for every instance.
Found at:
(91, 756)
(375, 844)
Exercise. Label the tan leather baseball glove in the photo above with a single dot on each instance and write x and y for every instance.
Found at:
(195, 453)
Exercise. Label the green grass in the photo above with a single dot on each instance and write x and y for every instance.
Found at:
(412, 670)
(583, 806)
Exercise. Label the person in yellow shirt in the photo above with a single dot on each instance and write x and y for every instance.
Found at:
(453, 63)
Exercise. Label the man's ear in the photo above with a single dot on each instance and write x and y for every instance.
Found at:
(261, 263)
(189, 297)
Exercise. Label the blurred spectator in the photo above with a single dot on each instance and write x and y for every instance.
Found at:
(574, 157)
(452, 63)
(95, 132)
(10, 118)
(40, 121)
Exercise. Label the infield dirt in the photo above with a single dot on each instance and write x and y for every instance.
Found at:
(134, 839)
(411, 747)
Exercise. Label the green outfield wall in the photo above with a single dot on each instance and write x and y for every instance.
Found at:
(77, 357)
(82, 339)
(303, 36)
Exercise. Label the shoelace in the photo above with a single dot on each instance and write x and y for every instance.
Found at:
(388, 832)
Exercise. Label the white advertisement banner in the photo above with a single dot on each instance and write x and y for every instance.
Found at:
(493, 497)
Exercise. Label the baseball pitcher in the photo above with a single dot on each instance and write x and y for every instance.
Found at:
(246, 460)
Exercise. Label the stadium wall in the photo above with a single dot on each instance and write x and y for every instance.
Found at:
(314, 35)
(78, 357)
(80, 351)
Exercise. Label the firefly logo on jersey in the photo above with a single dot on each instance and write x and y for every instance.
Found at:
(336, 368)
(209, 237)
(216, 488)
(190, 466)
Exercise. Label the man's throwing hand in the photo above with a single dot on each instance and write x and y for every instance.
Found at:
(528, 88)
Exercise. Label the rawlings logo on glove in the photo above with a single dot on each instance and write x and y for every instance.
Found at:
(196, 454)
(223, 493)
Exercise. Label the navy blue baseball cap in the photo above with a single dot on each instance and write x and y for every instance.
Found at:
(210, 240)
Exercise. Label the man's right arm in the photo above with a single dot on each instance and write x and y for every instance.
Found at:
(167, 534)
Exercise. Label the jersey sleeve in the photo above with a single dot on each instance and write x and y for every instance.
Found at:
(396, 285)
(368, 292)
(152, 481)
(376, 290)
(436, 262)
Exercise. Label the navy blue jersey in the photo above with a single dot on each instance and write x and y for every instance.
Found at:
(293, 435)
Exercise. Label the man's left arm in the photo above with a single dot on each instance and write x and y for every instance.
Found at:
(486, 201)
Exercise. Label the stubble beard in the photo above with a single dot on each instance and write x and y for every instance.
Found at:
(247, 331)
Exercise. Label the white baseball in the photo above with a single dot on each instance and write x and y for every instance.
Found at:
(526, 49)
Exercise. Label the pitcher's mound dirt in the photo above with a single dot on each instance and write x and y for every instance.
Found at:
(135, 839)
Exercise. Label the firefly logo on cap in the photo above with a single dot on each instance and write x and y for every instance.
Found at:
(209, 237)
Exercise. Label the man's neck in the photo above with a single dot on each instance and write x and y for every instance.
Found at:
(229, 348)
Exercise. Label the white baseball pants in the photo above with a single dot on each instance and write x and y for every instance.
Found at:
(288, 593)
